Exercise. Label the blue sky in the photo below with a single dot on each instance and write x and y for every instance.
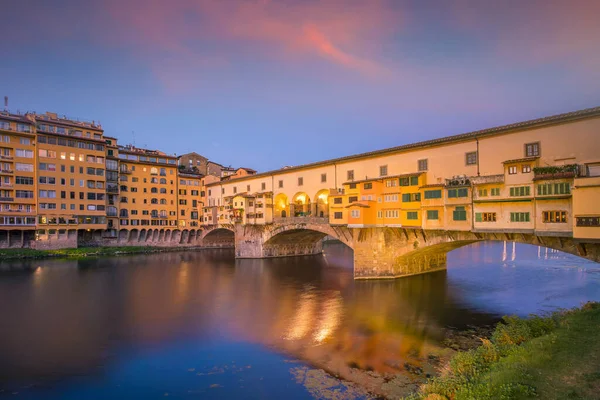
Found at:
(266, 83)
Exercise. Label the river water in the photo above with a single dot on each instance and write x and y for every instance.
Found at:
(203, 325)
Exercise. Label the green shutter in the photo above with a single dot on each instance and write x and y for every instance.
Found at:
(478, 217)
(414, 180)
(405, 197)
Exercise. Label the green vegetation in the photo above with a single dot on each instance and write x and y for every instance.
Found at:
(81, 252)
(557, 357)
(556, 169)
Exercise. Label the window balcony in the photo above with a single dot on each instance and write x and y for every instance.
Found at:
(556, 172)
(6, 171)
(2, 157)
(125, 171)
(7, 199)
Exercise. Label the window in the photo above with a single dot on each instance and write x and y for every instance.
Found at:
(414, 181)
(337, 215)
(433, 194)
(412, 215)
(588, 221)
(485, 217)
(24, 167)
(404, 182)
(391, 183)
(512, 170)
(462, 192)
(483, 193)
(350, 175)
(519, 191)
(280, 183)
(526, 168)
(471, 158)
(553, 188)
(300, 181)
(459, 214)
(23, 180)
(408, 197)
(422, 165)
(519, 217)
(367, 186)
(235, 189)
(532, 149)
(337, 200)
(379, 214)
(554, 216)
(263, 186)
(383, 170)
(392, 213)
(355, 213)
(352, 186)
(352, 199)
(24, 153)
(390, 198)
(433, 214)
(247, 190)
(495, 191)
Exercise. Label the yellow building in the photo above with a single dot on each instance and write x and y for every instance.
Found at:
(189, 199)
(147, 189)
(71, 176)
(17, 175)
(503, 179)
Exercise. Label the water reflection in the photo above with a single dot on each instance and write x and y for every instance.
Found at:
(74, 317)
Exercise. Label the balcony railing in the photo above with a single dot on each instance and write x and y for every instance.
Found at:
(3, 157)
(112, 190)
(302, 220)
(125, 171)
(7, 199)
(6, 171)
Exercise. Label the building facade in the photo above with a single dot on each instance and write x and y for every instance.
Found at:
(538, 176)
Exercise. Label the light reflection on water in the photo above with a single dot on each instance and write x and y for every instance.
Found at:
(139, 325)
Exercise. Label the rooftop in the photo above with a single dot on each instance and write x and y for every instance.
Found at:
(530, 124)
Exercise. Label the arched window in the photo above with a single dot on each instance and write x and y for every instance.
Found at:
(154, 201)
(153, 190)
(163, 201)
(163, 191)
(163, 181)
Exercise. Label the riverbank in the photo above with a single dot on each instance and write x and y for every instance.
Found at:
(82, 252)
(555, 357)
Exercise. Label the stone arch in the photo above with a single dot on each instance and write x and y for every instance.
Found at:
(142, 236)
(301, 205)
(149, 235)
(321, 202)
(192, 236)
(176, 236)
(168, 234)
(306, 233)
(403, 252)
(133, 235)
(184, 236)
(281, 206)
(218, 237)
(123, 235)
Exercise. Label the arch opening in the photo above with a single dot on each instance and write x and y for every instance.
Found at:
(281, 206)
(220, 238)
(301, 204)
(322, 203)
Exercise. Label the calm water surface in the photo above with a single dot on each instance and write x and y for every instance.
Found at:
(201, 324)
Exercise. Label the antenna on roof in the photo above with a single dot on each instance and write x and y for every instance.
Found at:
(6, 103)
(133, 134)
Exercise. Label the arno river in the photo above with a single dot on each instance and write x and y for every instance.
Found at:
(203, 325)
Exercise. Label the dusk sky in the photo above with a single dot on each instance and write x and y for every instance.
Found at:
(268, 83)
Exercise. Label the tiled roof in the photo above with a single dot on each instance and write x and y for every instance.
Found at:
(518, 160)
(534, 123)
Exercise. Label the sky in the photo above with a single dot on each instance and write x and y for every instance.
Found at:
(269, 83)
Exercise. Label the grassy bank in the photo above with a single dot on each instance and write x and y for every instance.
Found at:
(556, 357)
(6, 254)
